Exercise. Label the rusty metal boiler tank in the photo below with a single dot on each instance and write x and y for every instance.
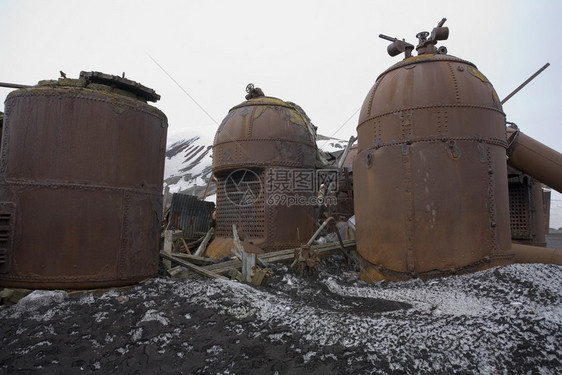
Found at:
(81, 184)
(430, 178)
(264, 158)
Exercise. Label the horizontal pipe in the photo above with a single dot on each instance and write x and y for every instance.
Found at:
(535, 159)
(536, 254)
(13, 85)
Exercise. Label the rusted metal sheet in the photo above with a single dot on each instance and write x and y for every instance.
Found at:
(190, 214)
(430, 178)
(82, 167)
(263, 132)
(527, 210)
(264, 154)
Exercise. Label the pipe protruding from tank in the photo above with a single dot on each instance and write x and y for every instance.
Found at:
(534, 158)
(253, 92)
(536, 254)
(426, 42)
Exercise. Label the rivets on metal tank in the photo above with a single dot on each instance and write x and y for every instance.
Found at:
(453, 150)
(405, 149)
(483, 152)
(369, 160)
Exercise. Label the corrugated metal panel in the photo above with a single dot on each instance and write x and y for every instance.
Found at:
(190, 214)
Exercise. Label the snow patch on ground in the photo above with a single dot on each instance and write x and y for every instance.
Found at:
(506, 319)
(39, 298)
(156, 316)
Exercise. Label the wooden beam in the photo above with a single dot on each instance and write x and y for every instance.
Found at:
(203, 246)
(193, 267)
(185, 245)
(198, 261)
(283, 256)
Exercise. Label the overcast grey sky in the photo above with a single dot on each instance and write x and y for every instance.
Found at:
(323, 55)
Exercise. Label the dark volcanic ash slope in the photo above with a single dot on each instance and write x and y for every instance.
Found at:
(503, 320)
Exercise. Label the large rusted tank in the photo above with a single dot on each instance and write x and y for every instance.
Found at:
(81, 184)
(264, 159)
(430, 177)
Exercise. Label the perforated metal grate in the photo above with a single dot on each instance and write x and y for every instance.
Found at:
(7, 212)
(240, 201)
(519, 210)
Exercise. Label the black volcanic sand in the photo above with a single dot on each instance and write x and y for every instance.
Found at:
(507, 319)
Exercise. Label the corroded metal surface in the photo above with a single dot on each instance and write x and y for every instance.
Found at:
(259, 148)
(263, 132)
(190, 214)
(81, 185)
(528, 214)
(430, 178)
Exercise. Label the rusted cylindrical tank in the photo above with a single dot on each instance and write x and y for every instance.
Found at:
(264, 159)
(81, 184)
(430, 177)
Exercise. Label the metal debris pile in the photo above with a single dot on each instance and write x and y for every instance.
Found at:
(184, 256)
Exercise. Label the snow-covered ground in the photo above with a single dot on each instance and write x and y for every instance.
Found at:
(506, 320)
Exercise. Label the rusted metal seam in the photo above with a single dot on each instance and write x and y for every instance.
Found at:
(254, 164)
(122, 255)
(372, 97)
(416, 60)
(437, 273)
(5, 137)
(432, 107)
(455, 82)
(492, 204)
(268, 140)
(409, 200)
(133, 104)
(80, 187)
(491, 141)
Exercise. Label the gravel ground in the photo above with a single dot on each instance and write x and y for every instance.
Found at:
(502, 320)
